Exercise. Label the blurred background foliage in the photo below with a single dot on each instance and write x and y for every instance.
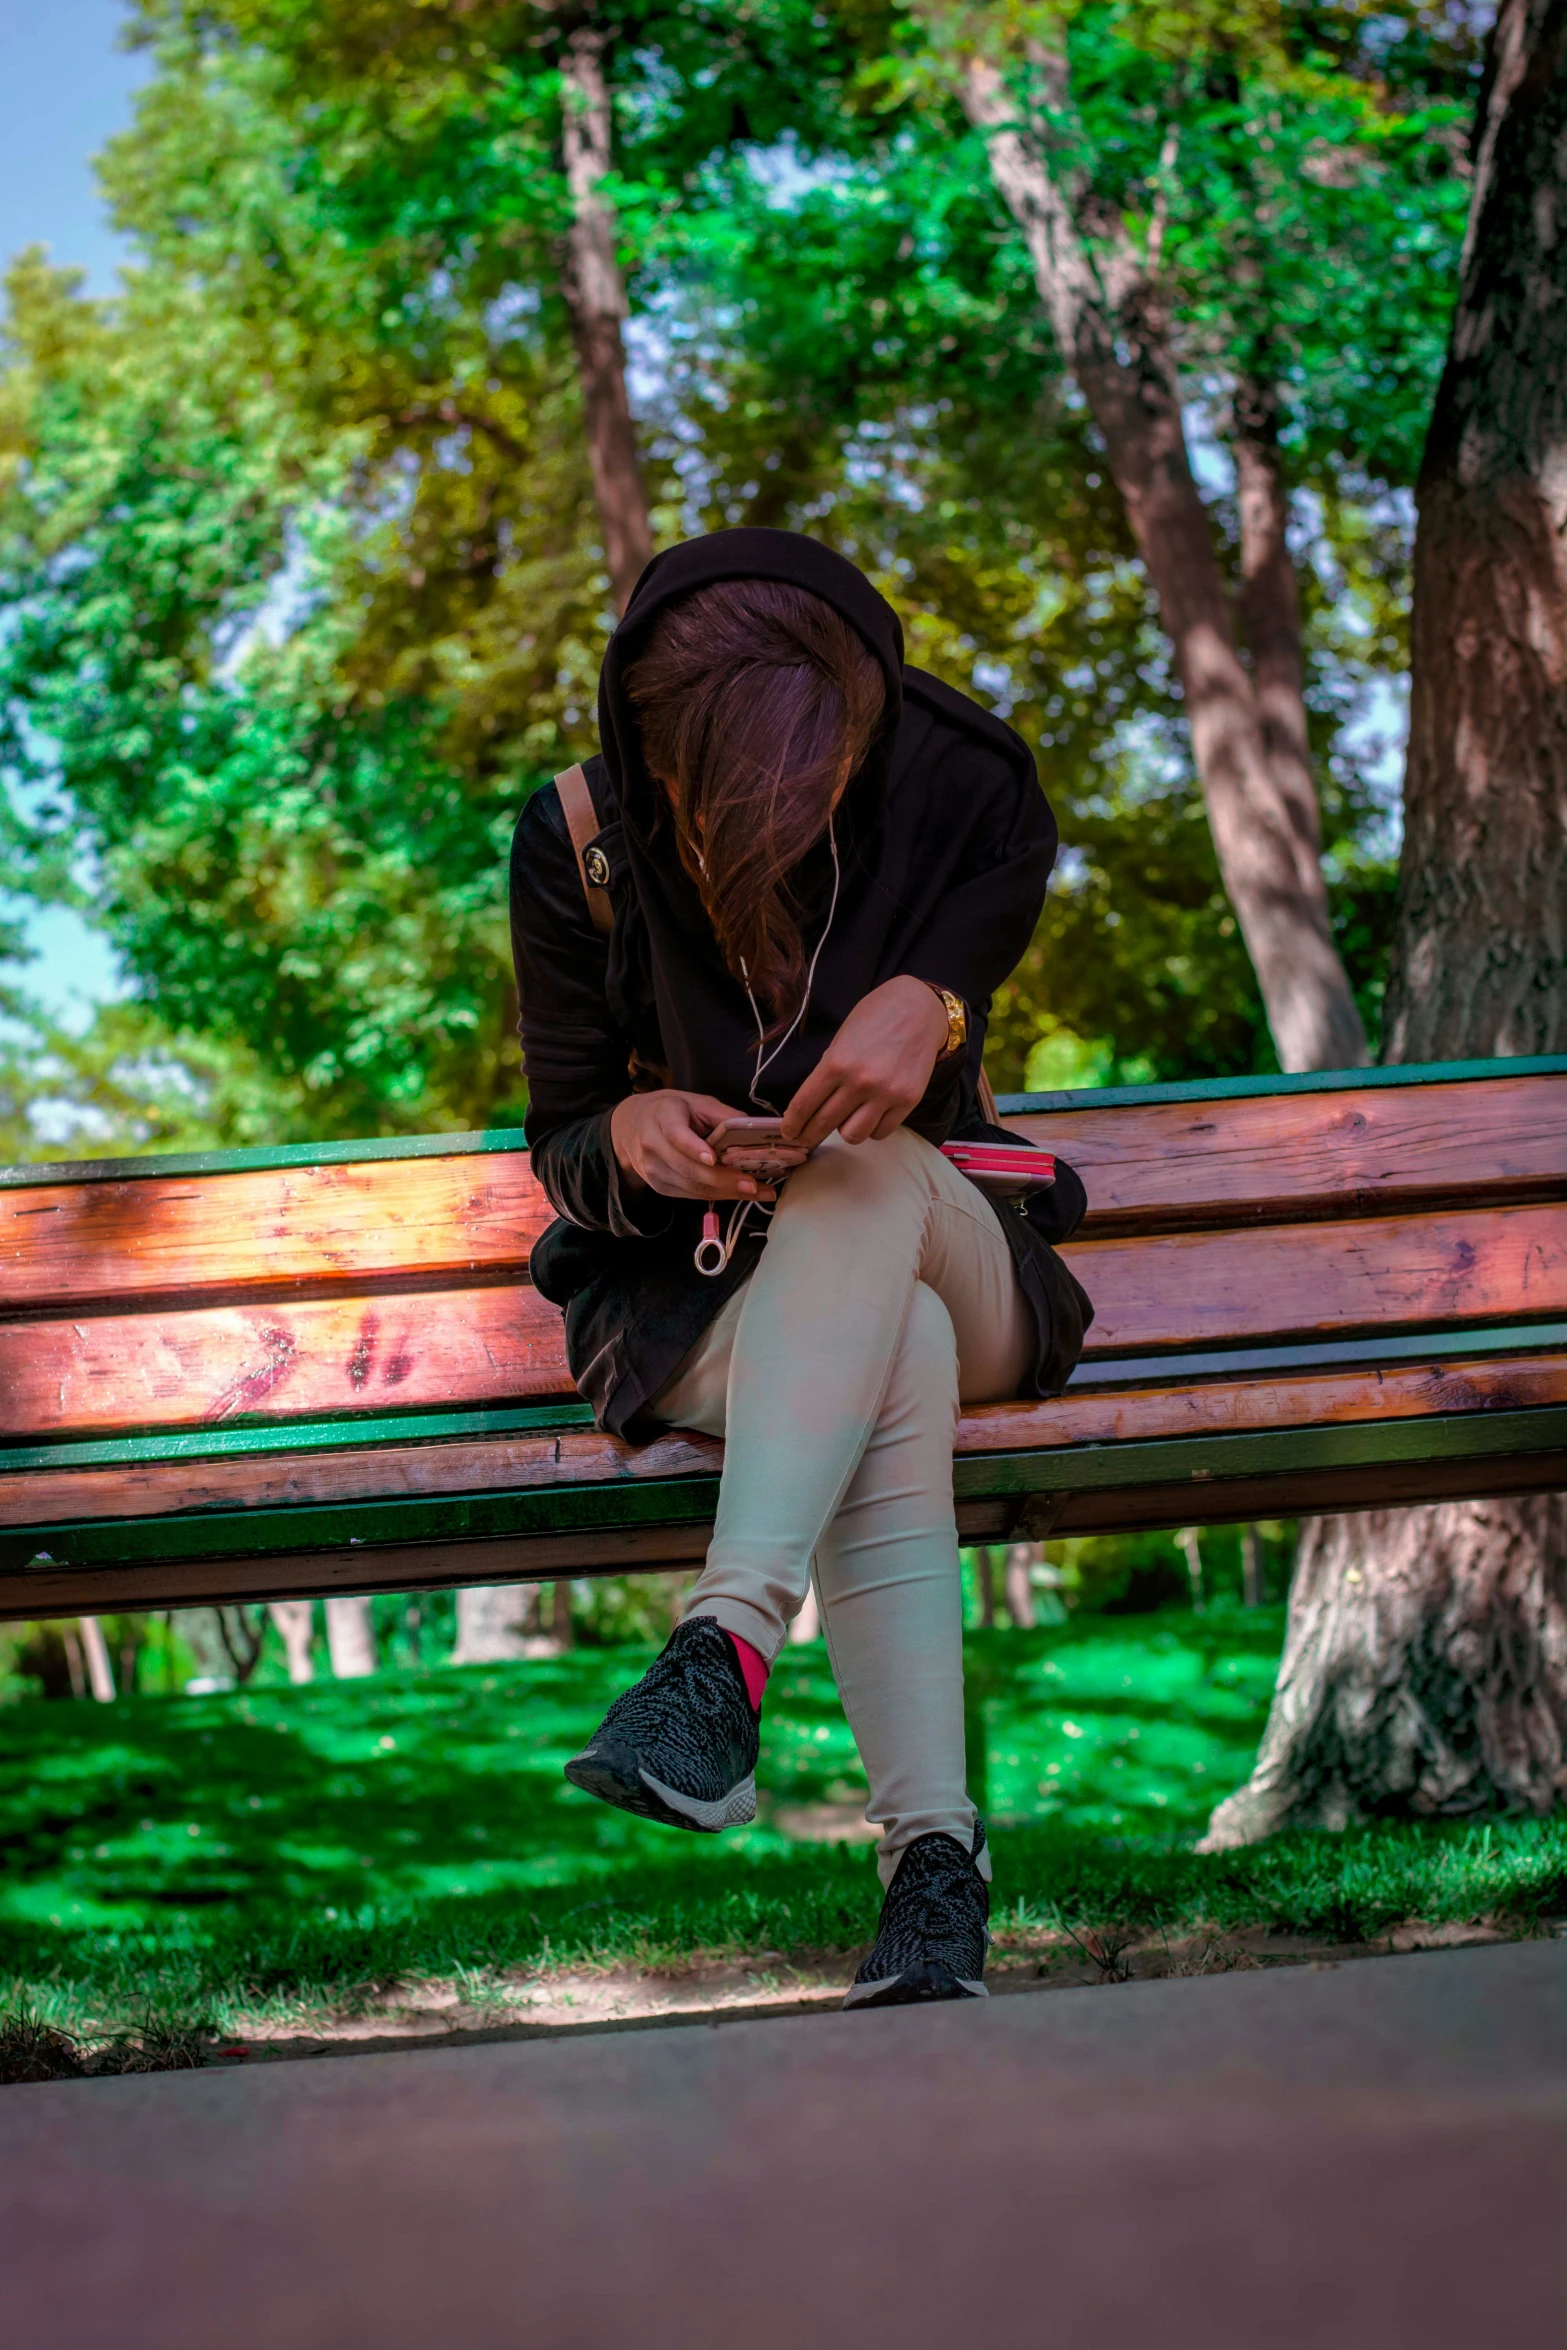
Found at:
(300, 585)
(163, 1654)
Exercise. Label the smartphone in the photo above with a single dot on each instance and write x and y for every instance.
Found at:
(749, 1131)
(755, 1146)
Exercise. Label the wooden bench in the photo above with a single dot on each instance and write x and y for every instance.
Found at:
(322, 1368)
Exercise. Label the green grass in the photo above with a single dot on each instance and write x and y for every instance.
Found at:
(203, 1856)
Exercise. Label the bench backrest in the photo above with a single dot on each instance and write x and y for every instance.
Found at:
(332, 1283)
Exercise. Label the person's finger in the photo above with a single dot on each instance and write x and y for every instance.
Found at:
(841, 1103)
(705, 1111)
(891, 1121)
(864, 1121)
(802, 1113)
(679, 1179)
(683, 1140)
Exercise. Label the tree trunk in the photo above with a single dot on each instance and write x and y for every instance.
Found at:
(1190, 1548)
(296, 1623)
(1425, 1671)
(497, 1623)
(1426, 1664)
(350, 1637)
(596, 297)
(1480, 960)
(1251, 1569)
(242, 1632)
(1018, 1583)
(806, 1623)
(96, 1650)
(985, 1579)
(1111, 328)
(1270, 613)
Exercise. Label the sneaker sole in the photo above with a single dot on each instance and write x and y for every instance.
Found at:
(649, 1799)
(913, 1988)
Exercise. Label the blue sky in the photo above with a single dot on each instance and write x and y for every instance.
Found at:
(65, 87)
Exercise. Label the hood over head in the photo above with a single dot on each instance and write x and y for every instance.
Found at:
(785, 555)
(943, 837)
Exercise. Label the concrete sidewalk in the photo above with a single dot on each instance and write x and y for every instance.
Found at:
(1366, 2157)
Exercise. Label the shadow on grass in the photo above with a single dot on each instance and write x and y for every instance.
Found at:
(182, 1855)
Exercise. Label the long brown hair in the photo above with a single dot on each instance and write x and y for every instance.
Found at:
(756, 701)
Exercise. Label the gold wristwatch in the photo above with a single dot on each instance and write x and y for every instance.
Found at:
(957, 1021)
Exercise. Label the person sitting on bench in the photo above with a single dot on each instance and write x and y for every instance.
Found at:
(790, 883)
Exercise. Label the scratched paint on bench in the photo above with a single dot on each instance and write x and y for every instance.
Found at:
(466, 1347)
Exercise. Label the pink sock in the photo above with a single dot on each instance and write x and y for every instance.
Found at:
(753, 1668)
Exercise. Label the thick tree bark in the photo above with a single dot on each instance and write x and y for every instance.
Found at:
(497, 1622)
(1480, 964)
(350, 1637)
(1425, 1671)
(1111, 328)
(1426, 1664)
(596, 296)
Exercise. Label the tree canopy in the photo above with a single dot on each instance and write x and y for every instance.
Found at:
(303, 583)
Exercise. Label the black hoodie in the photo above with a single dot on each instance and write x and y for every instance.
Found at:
(945, 843)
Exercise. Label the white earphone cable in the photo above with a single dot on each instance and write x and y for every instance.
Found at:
(763, 1065)
(712, 1253)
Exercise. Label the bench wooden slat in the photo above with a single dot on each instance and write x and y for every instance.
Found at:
(609, 1549)
(1287, 1156)
(1498, 1451)
(1297, 1281)
(397, 1219)
(315, 1359)
(475, 1346)
(586, 1455)
(617, 1550)
(1166, 1166)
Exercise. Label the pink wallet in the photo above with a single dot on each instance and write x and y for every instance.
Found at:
(1006, 1170)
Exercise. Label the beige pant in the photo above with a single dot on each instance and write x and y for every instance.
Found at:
(885, 1293)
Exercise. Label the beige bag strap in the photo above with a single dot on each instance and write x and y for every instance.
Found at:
(582, 822)
(986, 1100)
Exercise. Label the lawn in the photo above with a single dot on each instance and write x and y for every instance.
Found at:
(206, 1855)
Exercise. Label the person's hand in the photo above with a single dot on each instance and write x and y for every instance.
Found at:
(875, 1070)
(660, 1142)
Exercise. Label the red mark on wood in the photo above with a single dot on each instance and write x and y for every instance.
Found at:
(401, 1364)
(252, 1388)
(363, 1356)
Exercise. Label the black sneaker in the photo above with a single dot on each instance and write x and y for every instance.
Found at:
(931, 1940)
(681, 1745)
